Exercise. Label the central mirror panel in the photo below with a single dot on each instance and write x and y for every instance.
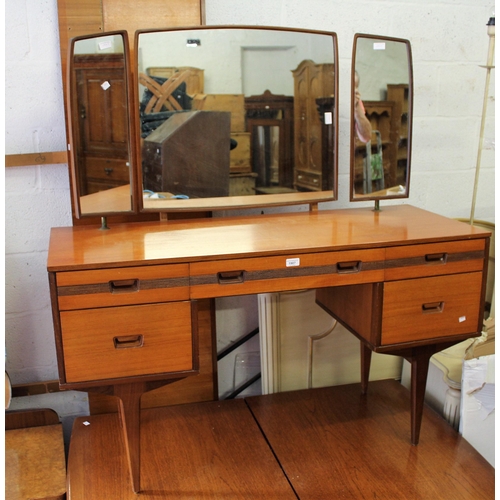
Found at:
(236, 117)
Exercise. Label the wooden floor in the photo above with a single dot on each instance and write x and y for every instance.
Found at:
(318, 444)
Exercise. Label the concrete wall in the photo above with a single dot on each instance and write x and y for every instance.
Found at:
(449, 44)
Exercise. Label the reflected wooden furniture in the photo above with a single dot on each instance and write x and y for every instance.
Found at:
(124, 300)
(398, 94)
(310, 444)
(311, 82)
(194, 81)
(101, 123)
(188, 155)
(35, 463)
(264, 114)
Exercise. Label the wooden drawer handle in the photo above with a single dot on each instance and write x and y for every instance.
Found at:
(231, 277)
(434, 258)
(433, 307)
(128, 341)
(348, 267)
(124, 286)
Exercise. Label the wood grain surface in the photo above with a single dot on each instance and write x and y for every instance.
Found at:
(336, 443)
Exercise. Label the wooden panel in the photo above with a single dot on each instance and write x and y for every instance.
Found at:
(346, 303)
(428, 308)
(35, 464)
(98, 344)
(335, 443)
(132, 15)
(122, 286)
(292, 272)
(208, 450)
(434, 259)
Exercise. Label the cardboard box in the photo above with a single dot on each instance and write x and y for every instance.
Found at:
(234, 103)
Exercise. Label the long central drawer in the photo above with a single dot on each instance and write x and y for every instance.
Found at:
(288, 272)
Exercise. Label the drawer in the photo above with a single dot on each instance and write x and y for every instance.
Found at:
(122, 286)
(434, 307)
(285, 272)
(108, 169)
(308, 179)
(434, 259)
(117, 342)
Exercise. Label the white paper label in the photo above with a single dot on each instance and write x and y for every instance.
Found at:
(293, 262)
(379, 46)
(105, 85)
(105, 45)
(328, 118)
(462, 319)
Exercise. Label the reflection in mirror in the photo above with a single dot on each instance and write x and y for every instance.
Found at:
(382, 95)
(100, 121)
(236, 116)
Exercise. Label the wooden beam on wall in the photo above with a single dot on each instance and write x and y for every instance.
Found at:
(30, 159)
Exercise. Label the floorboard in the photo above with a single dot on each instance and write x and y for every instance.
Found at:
(330, 443)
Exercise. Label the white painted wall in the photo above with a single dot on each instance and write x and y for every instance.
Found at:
(449, 43)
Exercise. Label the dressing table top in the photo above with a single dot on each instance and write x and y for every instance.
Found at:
(149, 243)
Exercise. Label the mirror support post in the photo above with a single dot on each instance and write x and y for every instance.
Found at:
(104, 224)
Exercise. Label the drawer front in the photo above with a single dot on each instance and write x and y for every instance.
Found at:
(122, 286)
(108, 169)
(292, 272)
(434, 259)
(428, 308)
(308, 179)
(116, 342)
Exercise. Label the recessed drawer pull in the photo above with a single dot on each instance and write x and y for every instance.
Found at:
(124, 286)
(231, 277)
(436, 258)
(433, 307)
(128, 341)
(349, 267)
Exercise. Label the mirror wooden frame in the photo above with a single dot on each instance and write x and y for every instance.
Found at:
(113, 208)
(384, 194)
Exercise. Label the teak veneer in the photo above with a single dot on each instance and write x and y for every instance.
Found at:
(405, 281)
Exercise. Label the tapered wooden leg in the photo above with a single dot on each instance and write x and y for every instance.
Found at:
(366, 359)
(130, 416)
(419, 369)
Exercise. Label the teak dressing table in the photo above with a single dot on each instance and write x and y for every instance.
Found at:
(405, 281)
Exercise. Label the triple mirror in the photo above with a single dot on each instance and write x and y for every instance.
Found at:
(229, 117)
(381, 117)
